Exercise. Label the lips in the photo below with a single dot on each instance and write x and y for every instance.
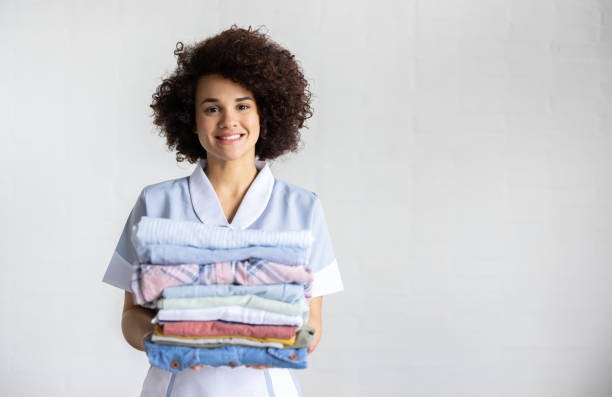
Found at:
(229, 137)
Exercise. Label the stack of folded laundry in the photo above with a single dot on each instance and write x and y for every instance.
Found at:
(225, 297)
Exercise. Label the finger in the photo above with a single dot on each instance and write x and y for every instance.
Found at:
(197, 368)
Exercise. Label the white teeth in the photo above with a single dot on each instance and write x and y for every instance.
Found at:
(230, 137)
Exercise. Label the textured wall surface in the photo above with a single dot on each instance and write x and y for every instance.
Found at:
(462, 150)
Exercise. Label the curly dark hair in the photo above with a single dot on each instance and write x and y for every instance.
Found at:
(247, 57)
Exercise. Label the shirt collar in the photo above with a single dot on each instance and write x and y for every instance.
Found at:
(208, 208)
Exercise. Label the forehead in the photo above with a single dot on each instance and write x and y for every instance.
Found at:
(217, 86)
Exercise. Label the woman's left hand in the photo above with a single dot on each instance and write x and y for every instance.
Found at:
(316, 305)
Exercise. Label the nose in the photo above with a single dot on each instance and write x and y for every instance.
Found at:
(229, 119)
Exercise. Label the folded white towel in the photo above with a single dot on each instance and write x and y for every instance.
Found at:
(166, 231)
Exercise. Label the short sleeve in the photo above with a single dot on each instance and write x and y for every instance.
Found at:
(326, 274)
(119, 270)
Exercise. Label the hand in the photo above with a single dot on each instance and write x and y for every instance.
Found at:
(315, 322)
(316, 337)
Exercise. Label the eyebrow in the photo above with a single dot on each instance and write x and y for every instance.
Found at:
(244, 98)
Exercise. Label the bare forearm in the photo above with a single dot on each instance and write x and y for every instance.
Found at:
(136, 323)
(314, 320)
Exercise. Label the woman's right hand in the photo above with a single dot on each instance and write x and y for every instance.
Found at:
(136, 322)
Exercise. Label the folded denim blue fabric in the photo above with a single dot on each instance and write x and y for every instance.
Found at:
(167, 231)
(289, 293)
(165, 254)
(177, 358)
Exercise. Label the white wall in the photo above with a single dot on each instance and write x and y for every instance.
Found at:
(462, 149)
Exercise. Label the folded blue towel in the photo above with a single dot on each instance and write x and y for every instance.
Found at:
(162, 254)
(289, 293)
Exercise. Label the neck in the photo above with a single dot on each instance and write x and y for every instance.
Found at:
(230, 178)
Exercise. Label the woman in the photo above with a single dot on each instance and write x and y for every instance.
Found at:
(234, 100)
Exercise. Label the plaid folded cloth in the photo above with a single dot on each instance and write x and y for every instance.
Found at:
(149, 281)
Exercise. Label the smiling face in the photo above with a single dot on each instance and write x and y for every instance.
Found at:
(227, 121)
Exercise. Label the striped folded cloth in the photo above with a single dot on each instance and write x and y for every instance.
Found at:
(195, 234)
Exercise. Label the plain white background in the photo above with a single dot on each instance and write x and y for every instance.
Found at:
(462, 150)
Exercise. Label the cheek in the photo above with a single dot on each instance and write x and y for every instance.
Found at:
(203, 142)
(204, 124)
(254, 122)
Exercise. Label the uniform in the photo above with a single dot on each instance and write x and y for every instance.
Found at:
(269, 204)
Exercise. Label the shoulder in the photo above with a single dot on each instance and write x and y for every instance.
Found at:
(294, 194)
(293, 207)
(166, 188)
(167, 199)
